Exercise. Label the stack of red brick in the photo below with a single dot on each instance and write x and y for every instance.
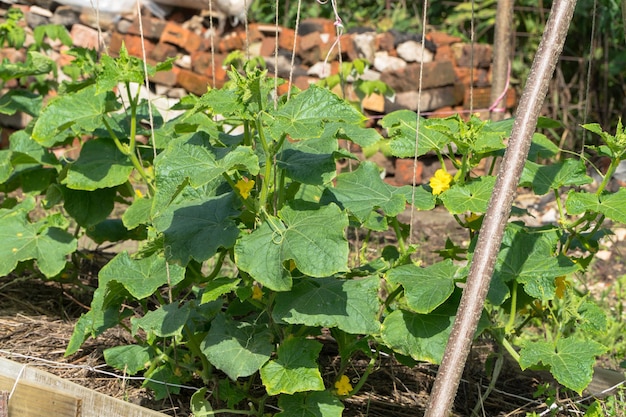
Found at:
(445, 72)
(445, 69)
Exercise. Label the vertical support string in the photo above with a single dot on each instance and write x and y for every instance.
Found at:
(212, 42)
(145, 76)
(293, 50)
(246, 28)
(589, 66)
(417, 119)
(471, 74)
(276, 57)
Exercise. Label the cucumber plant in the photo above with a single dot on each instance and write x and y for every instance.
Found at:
(242, 220)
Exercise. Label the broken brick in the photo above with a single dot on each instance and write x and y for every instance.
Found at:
(192, 82)
(177, 35)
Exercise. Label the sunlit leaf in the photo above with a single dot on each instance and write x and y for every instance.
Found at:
(295, 235)
(350, 305)
(571, 361)
(295, 369)
(236, 347)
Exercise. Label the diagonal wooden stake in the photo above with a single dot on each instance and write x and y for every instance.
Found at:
(499, 209)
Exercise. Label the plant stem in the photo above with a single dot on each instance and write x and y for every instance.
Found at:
(228, 411)
(194, 346)
(509, 348)
(363, 379)
(396, 228)
(389, 300)
(559, 204)
(218, 267)
(133, 119)
(609, 174)
(511, 324)
(131, 154)
(265, 188)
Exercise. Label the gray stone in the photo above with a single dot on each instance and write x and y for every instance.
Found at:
(123, 26)
(64, 16)
(370, 75)
(34, 20)
(431, 99)
(365, 45)
(434, 74)
(383, 62)
(412, 51)
(319, 70)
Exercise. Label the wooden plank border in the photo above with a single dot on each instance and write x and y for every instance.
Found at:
(41, 394)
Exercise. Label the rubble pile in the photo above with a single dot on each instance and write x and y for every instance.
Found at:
(447, 66)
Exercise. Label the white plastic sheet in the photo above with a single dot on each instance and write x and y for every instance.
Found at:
(108, 6)
(230, 8)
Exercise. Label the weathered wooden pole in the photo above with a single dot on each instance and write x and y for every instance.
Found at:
(501, 67)
(499, 209)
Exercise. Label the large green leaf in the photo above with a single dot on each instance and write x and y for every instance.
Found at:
(530, 259)
(350, 305)
(26, 150)
(113, 230)
(200, 406)
(420, 336)
(121, 70)
(610, 204)
(100, 165)
(425, 288)
(571, 361)
(310, 404)
(491, 136)
(363, 191)
(542, 147)
(81, 112)
(423, 199)
(309, 161)
(192, 158)
(197, 229)
(34, 179)
(195, 158)
(140, 277)
(295, 369)
(138, 213)
(106, 312)
(22, 240)
(220, 101)
(472, 196)
(218, 287)
(401, 127)
(166, 321)
(313, 239)
(543, 178)
(5, 165)
(304, 116)
(361, 136)
(184, 124)
(36, 63)
(128, 358)
(236, 347)
(16, 100)
(89, 208)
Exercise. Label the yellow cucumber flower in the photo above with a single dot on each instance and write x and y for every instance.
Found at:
(257, 292)
(440, 182)
(343, 386)
(244, 186)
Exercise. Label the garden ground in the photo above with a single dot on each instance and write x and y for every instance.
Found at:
(37, 318)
